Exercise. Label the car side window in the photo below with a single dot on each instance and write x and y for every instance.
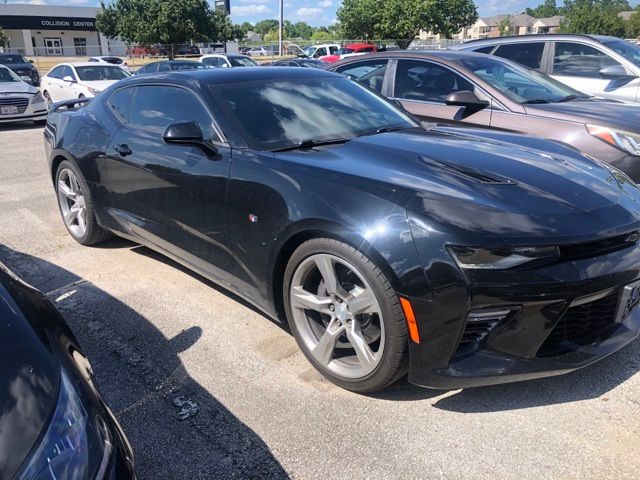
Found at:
(153, 112)
(93, 60)
(578, 60)
(55, 73)
(370, 73)
(484, 49)
(151, 68)
(333, 50)
(68, 72)
(527, 54)
(163, 67)
(120, 103)
(426, 81)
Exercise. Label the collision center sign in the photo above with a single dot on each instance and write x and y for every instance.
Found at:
(26, 22)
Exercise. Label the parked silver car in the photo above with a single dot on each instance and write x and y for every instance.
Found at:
(607, 67)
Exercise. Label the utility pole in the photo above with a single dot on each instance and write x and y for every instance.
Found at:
(281, 29)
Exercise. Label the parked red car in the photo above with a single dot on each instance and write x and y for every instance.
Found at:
(351, 50)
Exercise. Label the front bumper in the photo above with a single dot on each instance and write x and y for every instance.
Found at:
(526, 345)
(28, 116)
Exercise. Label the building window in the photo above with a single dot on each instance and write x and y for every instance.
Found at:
(80, 45)
(33, 42)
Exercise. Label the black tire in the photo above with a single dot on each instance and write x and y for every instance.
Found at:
(94, 233)
(393, 363)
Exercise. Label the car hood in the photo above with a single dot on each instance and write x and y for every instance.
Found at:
(475, 180)
(28, 373)
(17, 87)
(19, 66)
(622, 115)
(99, 84)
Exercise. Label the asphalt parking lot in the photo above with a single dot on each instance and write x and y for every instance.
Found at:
(206, 387)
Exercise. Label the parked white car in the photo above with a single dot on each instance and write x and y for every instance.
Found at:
(19, 101)
(79, 80)
(121, 62)
(317, 51)
(225, 60)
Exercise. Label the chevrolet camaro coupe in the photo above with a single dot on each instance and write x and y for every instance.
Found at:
(459, 257)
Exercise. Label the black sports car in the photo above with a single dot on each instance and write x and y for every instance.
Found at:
(465, 257)
(54, 424)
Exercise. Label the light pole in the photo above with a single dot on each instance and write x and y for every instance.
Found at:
(281, 27)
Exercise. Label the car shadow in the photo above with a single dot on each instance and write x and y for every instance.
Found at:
(176, 427)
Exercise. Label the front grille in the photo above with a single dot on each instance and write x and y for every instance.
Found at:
(581, 324)
(19, 102)
(599, 247)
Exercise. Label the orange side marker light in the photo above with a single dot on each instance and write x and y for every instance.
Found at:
(411, 319)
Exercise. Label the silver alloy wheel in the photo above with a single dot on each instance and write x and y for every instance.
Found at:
(72, 204)
(337, 316)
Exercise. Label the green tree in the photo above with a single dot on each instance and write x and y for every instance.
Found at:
(402, 20)
(504, 26)
(299, 30)
(633, 25)
(4, 39)
(158, 21)
(321, 36)
(548, 9)
(265, 26)
(272, 36)
(596, 17)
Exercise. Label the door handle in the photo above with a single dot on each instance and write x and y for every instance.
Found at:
(123, 149)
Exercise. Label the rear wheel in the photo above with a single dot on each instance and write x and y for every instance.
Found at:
(76, 207)
(345, 315)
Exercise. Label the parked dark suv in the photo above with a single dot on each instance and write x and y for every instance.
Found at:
(606, 67)
(22, 67)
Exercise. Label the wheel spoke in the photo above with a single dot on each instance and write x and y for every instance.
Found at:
(328, 271)
(323, 351)
(363, 351)
(70, 216)
(65, 190)
(300, 298)
(361, 303)
(81, 219)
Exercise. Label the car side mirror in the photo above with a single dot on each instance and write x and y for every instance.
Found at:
(188, 133)
(614, 72)
(69, 79)
(465, 98)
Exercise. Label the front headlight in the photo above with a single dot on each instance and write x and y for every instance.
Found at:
(37, 98)
(77, 443)
(627, 141)
(500, 258)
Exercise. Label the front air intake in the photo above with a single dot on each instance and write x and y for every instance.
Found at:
(480, 324)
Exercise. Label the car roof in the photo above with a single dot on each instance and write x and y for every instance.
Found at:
(451, 55)
(229, 75)
(541, 38)
(83, 64)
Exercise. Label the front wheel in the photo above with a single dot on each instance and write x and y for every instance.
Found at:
(345, 315)
(76, 207)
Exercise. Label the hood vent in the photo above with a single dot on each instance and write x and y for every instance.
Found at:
(467, 172)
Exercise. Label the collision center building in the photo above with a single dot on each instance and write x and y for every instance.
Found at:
(55, 30)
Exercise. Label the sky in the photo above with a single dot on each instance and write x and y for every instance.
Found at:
(314, 12)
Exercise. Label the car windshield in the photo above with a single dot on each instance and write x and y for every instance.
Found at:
(309, 51)
(188, 66)
(284, 113)
(628, 50)
(312, 63)
(242, 62)
(345, 51)
(519, 83)
(113, 60)
(97, 73)
(7, 76)
(13, 59)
